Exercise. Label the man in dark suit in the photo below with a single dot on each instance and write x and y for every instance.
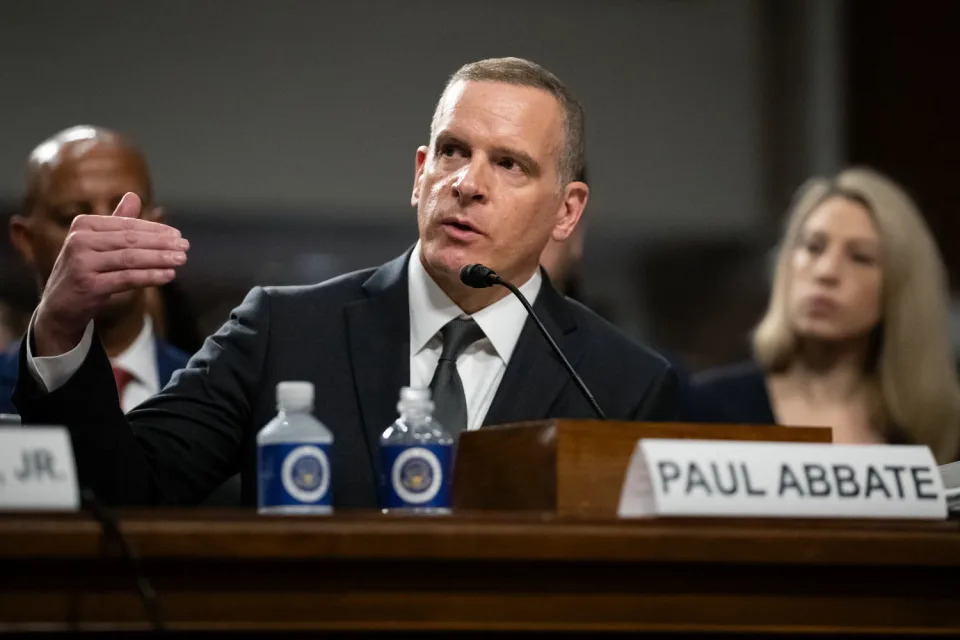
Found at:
(496, 182)
(86, 170)
(167, 359)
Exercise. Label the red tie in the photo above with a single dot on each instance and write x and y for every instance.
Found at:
(122, 377)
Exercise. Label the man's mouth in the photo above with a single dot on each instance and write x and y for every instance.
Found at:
(459, 228)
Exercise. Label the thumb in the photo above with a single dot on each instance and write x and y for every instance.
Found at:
(129, 206)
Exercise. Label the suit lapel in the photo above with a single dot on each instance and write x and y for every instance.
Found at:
(378, 335)
(535, 376)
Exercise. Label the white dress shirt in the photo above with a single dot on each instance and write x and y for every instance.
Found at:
(482, 364)
(139, 359)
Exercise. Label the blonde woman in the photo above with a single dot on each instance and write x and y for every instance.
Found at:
(855, 336)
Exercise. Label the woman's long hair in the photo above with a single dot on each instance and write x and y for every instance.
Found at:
(911, 367)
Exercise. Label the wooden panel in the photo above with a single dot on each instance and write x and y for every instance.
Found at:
(239, 534)
(223, 570)
(575, 467)
(507, 467)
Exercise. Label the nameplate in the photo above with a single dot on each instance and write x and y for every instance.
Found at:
(705, 478)
(37, 470)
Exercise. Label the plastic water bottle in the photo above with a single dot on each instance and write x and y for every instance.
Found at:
(416, 458)
(294, 451)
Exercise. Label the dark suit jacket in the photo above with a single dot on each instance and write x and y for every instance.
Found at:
(169, 359)
(350, 337)
(738, 394)
(732, 394)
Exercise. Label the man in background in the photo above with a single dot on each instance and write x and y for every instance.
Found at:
(86, 170)
(12, 325)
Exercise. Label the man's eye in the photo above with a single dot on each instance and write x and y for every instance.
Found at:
(65, 218)
(450, 150)
(509, 164)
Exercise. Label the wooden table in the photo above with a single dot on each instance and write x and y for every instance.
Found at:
(216, 570)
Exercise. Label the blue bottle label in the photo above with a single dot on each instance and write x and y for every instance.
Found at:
(415, 475)
(294, 474)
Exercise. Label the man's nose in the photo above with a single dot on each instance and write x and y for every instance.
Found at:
(101, 208)
(472, 185)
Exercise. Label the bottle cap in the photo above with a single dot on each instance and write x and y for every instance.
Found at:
(415, 398)
(295, 396)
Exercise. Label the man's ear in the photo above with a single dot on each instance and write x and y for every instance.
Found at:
(575, 196)
(21, 237)
(421, 161)
(154, 214)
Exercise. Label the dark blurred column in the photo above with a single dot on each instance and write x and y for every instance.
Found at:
(904, 104)
(803, 78)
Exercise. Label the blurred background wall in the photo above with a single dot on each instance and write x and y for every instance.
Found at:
(281, 134)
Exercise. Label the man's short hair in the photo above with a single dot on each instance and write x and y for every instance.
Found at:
(52, 148)
(520, 72)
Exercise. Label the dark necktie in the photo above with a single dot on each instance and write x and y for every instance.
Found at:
(448, 397)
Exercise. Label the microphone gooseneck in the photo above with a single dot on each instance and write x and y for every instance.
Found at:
(111, 529)
(480, 276)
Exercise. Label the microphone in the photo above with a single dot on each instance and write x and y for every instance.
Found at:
(480, 276)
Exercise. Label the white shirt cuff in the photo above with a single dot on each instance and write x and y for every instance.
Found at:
(52, 372)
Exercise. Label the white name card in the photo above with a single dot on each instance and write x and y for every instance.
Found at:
(37, 470)
(775, 479)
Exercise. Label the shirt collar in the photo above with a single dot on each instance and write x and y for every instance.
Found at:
(140, 358)
(431, 309)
